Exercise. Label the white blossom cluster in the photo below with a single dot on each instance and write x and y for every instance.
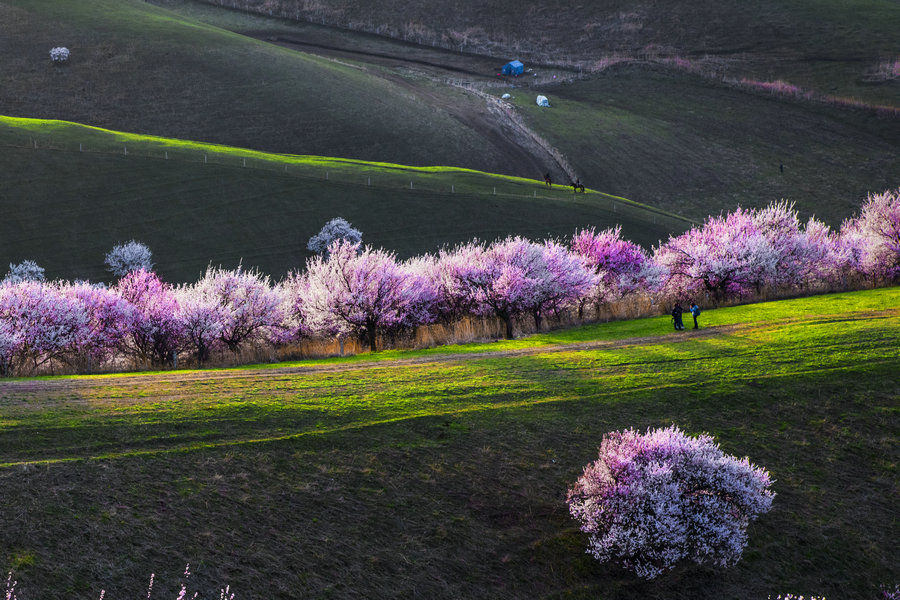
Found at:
(60, 54)
(128, 257)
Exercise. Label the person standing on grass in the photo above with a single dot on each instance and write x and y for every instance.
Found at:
(676, 316)
(695, 312)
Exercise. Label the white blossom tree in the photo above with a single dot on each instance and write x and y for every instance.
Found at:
(128, 257)
(335, 229)
(27, 270)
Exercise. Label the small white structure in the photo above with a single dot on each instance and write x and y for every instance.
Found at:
(542, 101)
(506, 96)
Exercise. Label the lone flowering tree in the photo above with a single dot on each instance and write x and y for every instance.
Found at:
(27, 270)
(652, 500)
(128, 257)
(333, 230)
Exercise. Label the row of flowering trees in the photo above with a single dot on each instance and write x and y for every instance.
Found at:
(367, 293)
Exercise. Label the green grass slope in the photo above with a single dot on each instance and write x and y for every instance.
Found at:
(445, 477)
(137, 67)
(76, 191)
(695, 147)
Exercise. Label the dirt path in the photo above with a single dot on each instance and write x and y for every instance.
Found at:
(527, 154)
(12, 388)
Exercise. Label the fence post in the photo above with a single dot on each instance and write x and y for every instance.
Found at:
(204, 158)
(452, 189)
(126, 149)
(495, 190)
(410, 185)
(368, 181)
(79, 147)
(167, 155)
(326, 174)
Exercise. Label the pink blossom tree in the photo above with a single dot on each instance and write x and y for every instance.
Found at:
(155, 332)
(249, 306)
(725, 257)
(109, 320)
(654, 499)
(562, 281)
(10, 345)
(44, 323)
(448, 274)
(621, 267)
(358, 292)
(875, 233)
(515, 276)
(201, 318)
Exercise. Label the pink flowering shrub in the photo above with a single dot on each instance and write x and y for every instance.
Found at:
(652, 500)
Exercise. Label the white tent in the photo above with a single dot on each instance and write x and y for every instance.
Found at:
(542, 101)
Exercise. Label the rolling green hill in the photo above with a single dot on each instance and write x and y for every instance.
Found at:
(136, 67)
(681, 142)
(443, 473)
(76, 191)
(653, 132)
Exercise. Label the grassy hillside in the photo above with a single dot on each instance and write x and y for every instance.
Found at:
(137, 67)
(651, 132)
(77, 191)
(694, 147)
(829, 45)
(443, 473)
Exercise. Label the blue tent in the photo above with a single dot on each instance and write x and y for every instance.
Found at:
(513, 68)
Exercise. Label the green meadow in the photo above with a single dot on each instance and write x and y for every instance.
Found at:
(443, 472)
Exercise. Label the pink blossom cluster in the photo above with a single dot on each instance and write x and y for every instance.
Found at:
(652, 500)
(776, 87)
(746, 251)
(351, 291)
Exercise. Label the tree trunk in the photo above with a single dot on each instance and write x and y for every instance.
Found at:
(537, 320)
(507, 320)
(370, 334)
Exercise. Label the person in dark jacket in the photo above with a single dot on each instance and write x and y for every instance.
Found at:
(676, 316)
(695, 312)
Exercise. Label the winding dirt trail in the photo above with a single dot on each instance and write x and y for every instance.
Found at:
(527, 154)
